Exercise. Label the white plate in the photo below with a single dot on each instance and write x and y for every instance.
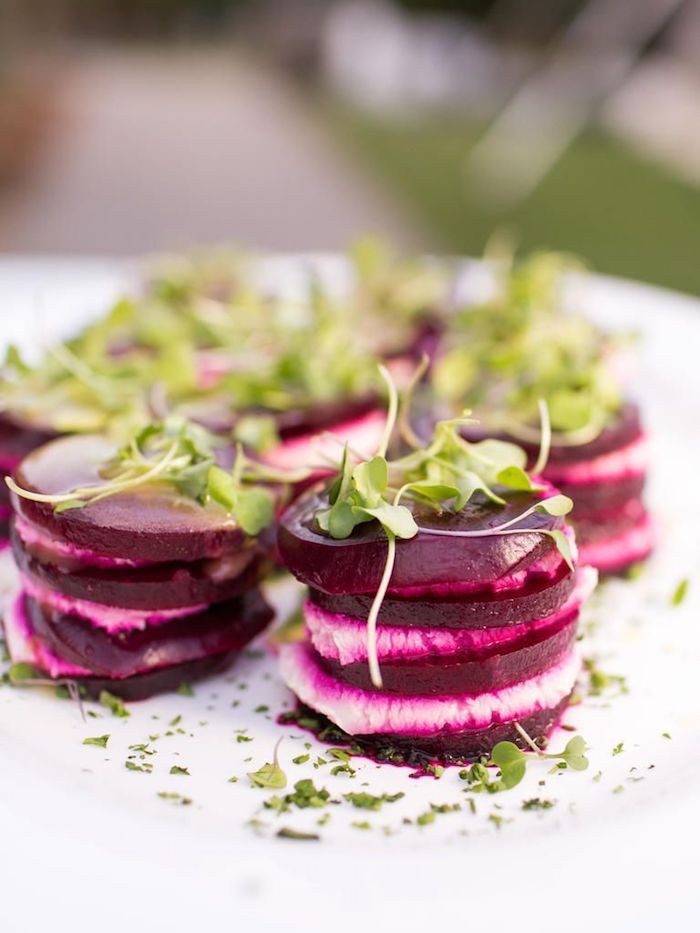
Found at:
(88, 844)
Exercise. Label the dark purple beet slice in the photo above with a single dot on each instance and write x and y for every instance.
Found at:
(458, 675)
(155, 586)
(143, 686)
(536, 600)
(608, 523)
(355, 565)
(151, 523)
(321, 417)
(626, 428)
(610, 494)
(222, 628)
(462, 746)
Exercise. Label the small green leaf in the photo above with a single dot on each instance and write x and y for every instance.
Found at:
(222, 488)
(370, 479)
(270, 776)
(68, 505)
(563, 546)
(176, 769)
(556, 505)
(515, 478)
(254, 510)
(396, 518)
(511, 761)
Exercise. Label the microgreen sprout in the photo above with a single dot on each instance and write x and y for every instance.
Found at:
(270, 776)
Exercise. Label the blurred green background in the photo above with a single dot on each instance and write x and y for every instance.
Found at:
(134, 125)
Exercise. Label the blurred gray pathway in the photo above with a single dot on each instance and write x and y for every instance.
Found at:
(158, 150)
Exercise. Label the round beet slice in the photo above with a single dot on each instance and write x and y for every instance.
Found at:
(622, 431)
(150, 523)
(220, 629)
(537, 599)
(155, 586)
(457, 747)
(355, 564)
(453, 676)
(299, 421)
(163, 680)
(589, 497)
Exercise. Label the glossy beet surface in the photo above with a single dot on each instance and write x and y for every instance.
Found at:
(151, 524)
(536, 599)
(220, 629)
(155, 586)
(454, 676)
(355, 565)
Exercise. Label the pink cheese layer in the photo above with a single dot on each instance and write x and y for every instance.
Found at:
(342, 638)
(110, 618)
(632, 460)
(35, 539)
(24, 647)
(360, 712)
(317, 450)
(547, 568)
(619, 551)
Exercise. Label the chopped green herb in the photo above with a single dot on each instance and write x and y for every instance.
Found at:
(99, 740)
(287, 833)
(176, 769)
(146, 766)
(176, 798)
(243, 738)
(619, 748)
(364, 801)
(300, 759)
(114, 704)
(425, 818)
(537, 803)
(680, 592)
(185, 690)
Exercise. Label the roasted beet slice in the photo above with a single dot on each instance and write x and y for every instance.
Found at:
(220, 629)
(355, 565)
(454, 676)
(458, 746)
(536, 599)
(152, 524)
(321, 417)
(155, 586)
(611, 494)
(623, 430)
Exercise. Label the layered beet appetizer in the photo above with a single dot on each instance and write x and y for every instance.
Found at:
(139, 565)
(525, 345)
(443, 597)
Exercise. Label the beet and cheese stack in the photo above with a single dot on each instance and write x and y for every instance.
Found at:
(605, 478)
(140, 566)
(443, 598)
(527, 344)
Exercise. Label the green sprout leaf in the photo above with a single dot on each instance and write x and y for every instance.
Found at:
(270, 776)
(512, 762)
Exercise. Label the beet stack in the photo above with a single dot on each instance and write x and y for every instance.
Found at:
(141, 581)
(438, 625)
